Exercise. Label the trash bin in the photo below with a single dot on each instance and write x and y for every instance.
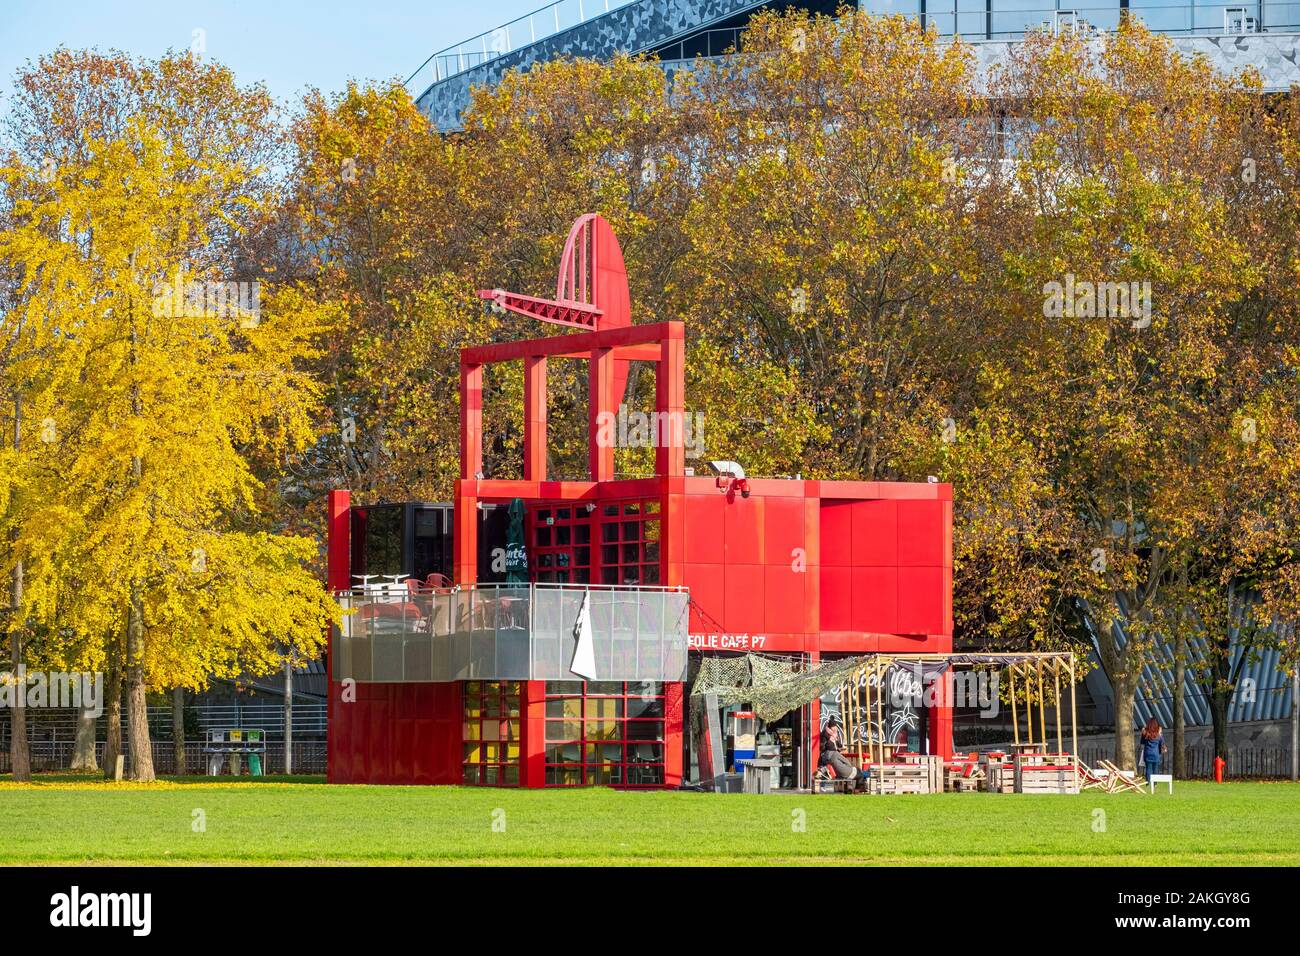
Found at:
(254, 764)
(758, 774)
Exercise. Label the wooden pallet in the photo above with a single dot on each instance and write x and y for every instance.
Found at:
(1045, 778)
(1001, 778)
(958, 780)
(900, 778)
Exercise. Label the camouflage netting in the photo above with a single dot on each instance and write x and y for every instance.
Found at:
(773, 686)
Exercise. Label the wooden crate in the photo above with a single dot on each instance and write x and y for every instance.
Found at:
(957, 780)
(901, 778)
(1000, 778)
(1045, 778)
(934, 772)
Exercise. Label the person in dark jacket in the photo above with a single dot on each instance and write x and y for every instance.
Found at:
(832, 746)
(1153, 745)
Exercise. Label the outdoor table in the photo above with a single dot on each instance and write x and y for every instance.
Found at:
(1028, 748)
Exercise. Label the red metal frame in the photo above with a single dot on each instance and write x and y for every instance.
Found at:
(809, 567)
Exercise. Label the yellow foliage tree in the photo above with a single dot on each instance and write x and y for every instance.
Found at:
(158, 375)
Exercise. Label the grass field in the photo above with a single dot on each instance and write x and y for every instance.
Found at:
(65, 819)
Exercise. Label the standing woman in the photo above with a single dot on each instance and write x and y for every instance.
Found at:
(1153, 745)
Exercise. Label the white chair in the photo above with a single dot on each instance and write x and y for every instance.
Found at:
(1162, 778)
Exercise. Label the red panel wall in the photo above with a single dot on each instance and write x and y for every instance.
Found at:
(396, 733)
(887, 570)
(866, 568)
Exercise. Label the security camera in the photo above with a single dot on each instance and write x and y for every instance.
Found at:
(730, 468)
(731, 477)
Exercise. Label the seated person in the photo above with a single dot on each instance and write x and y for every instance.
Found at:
(832, 742)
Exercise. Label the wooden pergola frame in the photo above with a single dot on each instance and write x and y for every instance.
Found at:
(1033, 668)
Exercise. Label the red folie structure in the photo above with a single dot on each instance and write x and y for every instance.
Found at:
(815, 569)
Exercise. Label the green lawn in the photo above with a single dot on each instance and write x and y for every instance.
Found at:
(64, 819)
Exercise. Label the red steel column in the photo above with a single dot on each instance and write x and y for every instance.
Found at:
(532, 748)
(338, 536)
(471, 420)
(338, 576)
(674, 725)
(535, 418)
(670, 403)
(464, 533)
(814, 722)
(940, 718)
(600, 380)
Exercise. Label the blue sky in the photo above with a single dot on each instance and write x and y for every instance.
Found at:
(288, 44)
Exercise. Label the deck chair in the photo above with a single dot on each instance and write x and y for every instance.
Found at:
(1091, 780)
(1120, 781)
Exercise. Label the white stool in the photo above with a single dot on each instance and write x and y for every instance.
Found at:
(1162, 778)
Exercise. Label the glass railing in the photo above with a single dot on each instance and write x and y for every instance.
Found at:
(546, 22)
(509, 632)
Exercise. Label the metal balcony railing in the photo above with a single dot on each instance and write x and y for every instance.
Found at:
(542, 23)
(1012, 19)
(510, 632)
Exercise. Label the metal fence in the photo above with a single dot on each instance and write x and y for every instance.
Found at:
(52, 756)
(60, 724)
(1262, 762)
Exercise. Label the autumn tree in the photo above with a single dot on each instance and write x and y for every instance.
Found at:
(1123, 268)
(159, 376)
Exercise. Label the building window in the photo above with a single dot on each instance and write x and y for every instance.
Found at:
(604, 733)
(490, 734)
(629, 542)
(616, 542)
(562, 544)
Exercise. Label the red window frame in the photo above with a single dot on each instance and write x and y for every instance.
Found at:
(592, 737)
(491, 733)
(611, 542)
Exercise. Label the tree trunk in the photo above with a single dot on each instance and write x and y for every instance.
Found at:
(1295, 725)
(1118, 666)
(1180, 697)
(20, 755)
(178, 729)
(1219, 699)
(113, 709)
(1125, 687)
(137, 718)
(83, 747)
(288, 715)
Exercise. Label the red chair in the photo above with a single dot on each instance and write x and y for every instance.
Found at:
(433, 582)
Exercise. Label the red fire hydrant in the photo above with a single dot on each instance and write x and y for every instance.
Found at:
(1219, 766)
